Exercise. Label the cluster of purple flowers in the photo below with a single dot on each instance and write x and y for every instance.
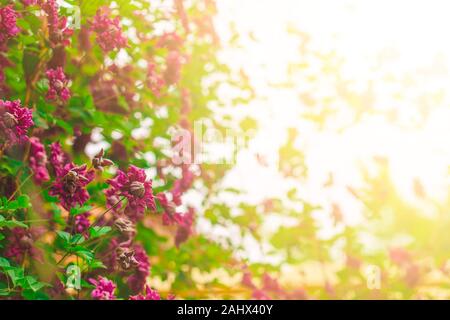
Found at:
(70, 184)
(15, 121)
(38, 161)
(136, 188)
(57, 85)
(109, 31)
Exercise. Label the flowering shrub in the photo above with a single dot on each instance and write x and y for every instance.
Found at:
(89, 209)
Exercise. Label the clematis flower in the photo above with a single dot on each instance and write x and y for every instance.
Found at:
(69, 187)
(38, 161)
(8, 26)
(21, 242)
(137, 280)
(58, 158)
(170, 40)
(185, 227)
(154, 81)
(15, 121)
(98, 162)
(29, 2)
(104, 289)
(82, 222)
(136, 188)
(57, 85)
(174, 62)
(150, 294)
(59, 33)
(109, 31)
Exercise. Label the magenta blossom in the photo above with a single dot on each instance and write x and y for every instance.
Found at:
(58, 158)
(38, 161)
(21, 242)
(154, 81)
(134, 186)
(15, 121)
(104, 289)
(170, 40)
(57, 85)
(109, 31)
(82, 222)
(29, 2)
(185, 227)
(69, 187)
(58, 31)
(150, 294)
(8, 27)
(137, 280)
(174, 62)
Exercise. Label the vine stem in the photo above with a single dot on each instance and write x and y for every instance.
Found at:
(93, 225)
(20, 186)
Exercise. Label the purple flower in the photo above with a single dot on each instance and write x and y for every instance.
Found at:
(58, 31)
(82, 222)
(185, 227)
(29, 2)
(69, 187)
(57, 85)
(58, 158)
(8, 27)
(38, 161)
(154, 81)
(137, 280)
(134, 186)
(150, 294)
(174, 62)
(109, 31)
(21, 241)
(15, 121)
(104, 289)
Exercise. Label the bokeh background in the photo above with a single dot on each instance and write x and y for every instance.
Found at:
(348, 170)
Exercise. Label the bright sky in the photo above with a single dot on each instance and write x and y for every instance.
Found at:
(395, 51)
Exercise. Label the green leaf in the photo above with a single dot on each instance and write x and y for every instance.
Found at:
(96, 232)
(23, 201)
(80, 210)
(10, 224)
(65, 236)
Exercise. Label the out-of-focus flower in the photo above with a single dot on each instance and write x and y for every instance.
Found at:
(137, 280)
(125, 258)
(185, 227)
(98, 162)
(69, 187)
(174, 62)
(125, 226)
(15, 121)
(57, 85)
(21, 241)
(29, 2)
(171, 41)
(400, 256)
(104, 289)
(181, 11)
(150, 294)
(182, 185)
(59, 32)
(38, 161)
(109, 31)
(8, 26)
(136, 188)
(260, 295)
(58, 158)
(154, 81)
(82, 222)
